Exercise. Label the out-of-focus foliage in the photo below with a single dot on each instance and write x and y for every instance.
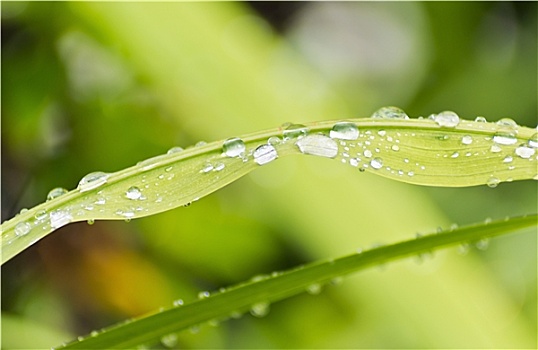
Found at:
(100, 86)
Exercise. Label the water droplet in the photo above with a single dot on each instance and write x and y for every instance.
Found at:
(455, 155)
(169, 340)
(22, 228)
(507, 123)
(91, 221)
(344, 131)
(318, 145)
(480, 120)
(447, 119)
(203, 294)
(234, 147)
(207, 168)
(525, 152)
(504, 138)
(508, 159)
(59, 218)
(314, 289)
(174, 150)
(265, 154)
(274, 140)
(354, 162)
(463, 248)
(467, 140)
(294, 131)
(493, 182)
(178, 302)
(200, 144)
(219, 166)
(92, 180)
(390, 113)
(133, 193)
(367, 153)
(482, 244)
(56, 192)
(41, 215)
(376, 163)
(495, 148)
(533, 141)
(259, 309)
(395, 148)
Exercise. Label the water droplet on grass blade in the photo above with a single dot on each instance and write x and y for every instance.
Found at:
(59, 218)
(203, 294)
(504, 138)
(133, 193)
(294, 131)
(447, 119)
(169, 340)
(234, 147)
(56, 192)
(22, 228)
(467, 140)
(174, 150)
(318, 145)
(344, 131)
(376, 163)
(265, 154)
(524, 152)
(390, 113)
(314, 289)
(533, 141)
(493, 182)
(507, 123)
(92, 180)
(260, 309)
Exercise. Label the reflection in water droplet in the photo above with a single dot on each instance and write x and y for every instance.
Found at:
(318, 145)
(259, 309)
(344, 131)
(524, 152)
(133, 193)
(447, 119)
(92, 180)
(467, 140)
(390, 113)
(265, 154)
(234, 147)
(376, 163)
(174, 150)
(294, 131)
(22, 228)
(504, 138)
(59, 218)
(56, 192)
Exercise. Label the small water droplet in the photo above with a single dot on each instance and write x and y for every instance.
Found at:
(260, 309)
(495, 148)
(219, 166)
(293, 131)
(207, 168)
(274, 141)
(265, 154)
(174, 150)
(390, 113)
(318, 145)
(525, 152)
(467, 140)
(92, 180)
(203, 294)
(533, 141)
(447, 119)
(367, 153)
(354, 162)
(22, 228)
(169, 340)
(200, 144)
(508, 159)
(234, 147)
(455, 155)
(480, 119)
(395, 148)
(91, 221)
(59, 218)
(178, 302)
(493, 182)
(507, 123)
(482, 244)
(376, 163)
(41, 215)
(463, 248)
(504, 138)
(56, 192)
(133, 193)
(314, 289)
(344, 131)
(169, 169)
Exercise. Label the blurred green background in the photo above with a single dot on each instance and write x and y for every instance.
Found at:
(100, 86)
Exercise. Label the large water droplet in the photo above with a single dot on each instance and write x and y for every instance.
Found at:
(265, 154)
(376, 163)
(525, 152)
(318, 145)
(92, 180)
(133, 193)
(507, 123)
(22, 228)
(174, 150)
(504, 138)
(56, 192)
(292, 131)
(234, 147)
(344, 131)
(467, 140)
(59, 218)
(447, 119)
(260, 309)
(390, 113)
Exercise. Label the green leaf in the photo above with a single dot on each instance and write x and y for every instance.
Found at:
(257, 295)
(451, 153)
